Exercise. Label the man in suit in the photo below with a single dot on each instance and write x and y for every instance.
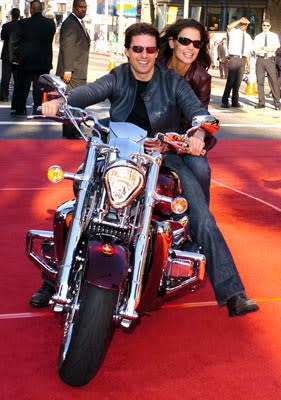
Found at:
(265, 45)
(239, 48)
(8, 69)
(74, 53)
(223, 59)
(31, 47)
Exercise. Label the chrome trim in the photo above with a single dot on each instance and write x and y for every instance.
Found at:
(184, 257)
(130, 313)
(31, 236)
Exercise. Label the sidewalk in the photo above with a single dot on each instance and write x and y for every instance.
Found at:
(247, 101)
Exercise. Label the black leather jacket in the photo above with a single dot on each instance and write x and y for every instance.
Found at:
(166, 97)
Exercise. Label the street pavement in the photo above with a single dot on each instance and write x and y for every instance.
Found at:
(245, 122)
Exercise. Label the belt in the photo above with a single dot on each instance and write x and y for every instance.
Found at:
(230, 55)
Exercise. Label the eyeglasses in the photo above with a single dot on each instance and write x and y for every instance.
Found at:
(186, 41)
(140, 49)
(267, 25)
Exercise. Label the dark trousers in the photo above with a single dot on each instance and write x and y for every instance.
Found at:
(223, 68)
(8, 70)
(221, 269)
(22, 88)
(236, 69)
(263, 66)
(69, 131)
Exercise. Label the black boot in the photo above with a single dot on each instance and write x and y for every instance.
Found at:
(240, 305)
(43, 295)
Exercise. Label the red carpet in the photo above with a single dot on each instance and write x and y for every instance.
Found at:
(189, 349)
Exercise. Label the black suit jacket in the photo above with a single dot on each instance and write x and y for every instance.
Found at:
(32, 43)
(74, 49)
(6, 32)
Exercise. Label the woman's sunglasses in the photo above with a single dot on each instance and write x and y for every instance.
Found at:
(186, 41)
(140, 49)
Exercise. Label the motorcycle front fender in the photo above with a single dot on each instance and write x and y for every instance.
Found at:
(104, 270)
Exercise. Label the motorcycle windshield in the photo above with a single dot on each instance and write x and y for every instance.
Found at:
(126, 130)
(127, 137)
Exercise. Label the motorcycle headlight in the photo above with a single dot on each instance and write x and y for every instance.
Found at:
(123, 184)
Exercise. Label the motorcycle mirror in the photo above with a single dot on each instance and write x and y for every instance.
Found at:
(207, 122)
(50, 83)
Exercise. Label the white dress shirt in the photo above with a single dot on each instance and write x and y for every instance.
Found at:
(235, 43)
(273, 43)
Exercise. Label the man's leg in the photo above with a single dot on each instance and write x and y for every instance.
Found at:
(69, 131)
(240, 69)
(260, 73)
(231, 78)
(6, 76)
(273, 80)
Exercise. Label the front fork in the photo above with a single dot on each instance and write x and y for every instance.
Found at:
(129, 313)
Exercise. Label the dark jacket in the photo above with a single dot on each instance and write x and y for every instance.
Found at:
(167, 96)
(200, 81)
(278, 59)
(221, 53)
(74, 49)
(6, 32)
(32, 43)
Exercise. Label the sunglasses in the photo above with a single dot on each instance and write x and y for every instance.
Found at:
(266, 25)
(140, 49)
(186, 41)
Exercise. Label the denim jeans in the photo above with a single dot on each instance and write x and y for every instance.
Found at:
(221, 269)
(201, 170)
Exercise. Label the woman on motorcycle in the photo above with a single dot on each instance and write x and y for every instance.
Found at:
(154, 97)
(184, 47)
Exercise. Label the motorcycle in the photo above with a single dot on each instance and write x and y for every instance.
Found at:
(115, 251)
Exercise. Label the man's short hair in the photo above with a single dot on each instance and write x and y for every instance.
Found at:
(15, 13)
(76, 3)
(36, 5)
(140, 28)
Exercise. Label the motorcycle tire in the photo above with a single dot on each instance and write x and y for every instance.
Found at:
(89, 336)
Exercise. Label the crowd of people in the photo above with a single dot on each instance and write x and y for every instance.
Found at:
(164, 84)
(25, 56)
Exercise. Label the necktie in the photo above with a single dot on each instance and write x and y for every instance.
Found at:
(243, 44)
(84, 28)
(265, 44)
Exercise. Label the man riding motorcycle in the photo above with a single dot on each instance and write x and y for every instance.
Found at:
(154, 98)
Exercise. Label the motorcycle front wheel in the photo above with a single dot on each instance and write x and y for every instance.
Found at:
(87, 335)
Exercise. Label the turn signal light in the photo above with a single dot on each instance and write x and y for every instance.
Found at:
(55, 174)
(179, 205)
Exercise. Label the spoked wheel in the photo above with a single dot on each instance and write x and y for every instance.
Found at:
(88, 328)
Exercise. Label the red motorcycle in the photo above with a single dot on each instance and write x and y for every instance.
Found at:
(115, 249)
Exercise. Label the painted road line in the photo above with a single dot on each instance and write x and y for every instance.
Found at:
(247, 195)
(198, 304)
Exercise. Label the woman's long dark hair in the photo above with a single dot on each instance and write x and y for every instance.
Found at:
(173, 31)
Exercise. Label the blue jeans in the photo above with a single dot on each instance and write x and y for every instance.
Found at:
(201, 170)
(221, 269)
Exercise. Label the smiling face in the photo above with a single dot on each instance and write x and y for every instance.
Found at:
(142, 64)
(185, 54)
